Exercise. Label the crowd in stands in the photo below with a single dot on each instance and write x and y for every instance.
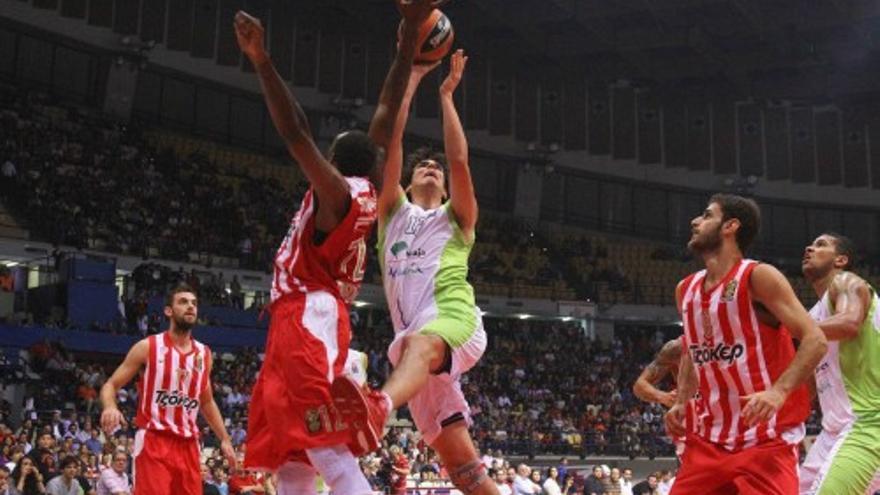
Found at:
(80, 180)
(536, 400)
(75, 178)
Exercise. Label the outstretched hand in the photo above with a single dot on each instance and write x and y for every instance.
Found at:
(250, 34)
(456, 69)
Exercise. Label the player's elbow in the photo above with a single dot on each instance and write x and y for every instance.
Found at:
(639, 390)
(851, 324)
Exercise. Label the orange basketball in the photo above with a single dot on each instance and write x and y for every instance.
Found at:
(435, 38)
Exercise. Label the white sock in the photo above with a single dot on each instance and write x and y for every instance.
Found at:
(340, 470)
(297, 478)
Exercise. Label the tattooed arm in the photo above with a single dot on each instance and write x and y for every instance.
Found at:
(666, 359)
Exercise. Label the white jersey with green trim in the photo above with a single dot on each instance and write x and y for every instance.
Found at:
(847, 384)
(424, 259)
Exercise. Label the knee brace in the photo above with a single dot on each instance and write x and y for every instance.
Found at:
(469, 476)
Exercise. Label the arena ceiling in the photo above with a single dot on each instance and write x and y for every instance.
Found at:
(820, 47)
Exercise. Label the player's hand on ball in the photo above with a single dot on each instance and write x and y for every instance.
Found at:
(111, 419)
(250, 34)
(674, 420)
(416, 11)
(457, 62)
(761, 406)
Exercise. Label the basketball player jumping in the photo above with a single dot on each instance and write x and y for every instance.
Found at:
(424, 244)
(174, 384)
(737, 316)
(846, 455)
(293, 427)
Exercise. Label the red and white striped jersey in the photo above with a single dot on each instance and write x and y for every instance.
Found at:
(170, 387)
(337, 264)
(734, 355)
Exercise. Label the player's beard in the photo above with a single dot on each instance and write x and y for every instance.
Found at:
(182, 325)
(704, 243)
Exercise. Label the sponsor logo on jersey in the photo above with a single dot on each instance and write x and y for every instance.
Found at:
(402, 246)
(164, 398)
(405, 271)
(730, 290)
(199, 363)
(397, 247)
(723, 353)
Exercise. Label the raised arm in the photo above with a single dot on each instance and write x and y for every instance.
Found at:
(212, 415)
(136, 359)
(668, 358)
(770, 288)
(391, 191)
(461, 188)
(330, 186)
(414, 12)
(852, 299)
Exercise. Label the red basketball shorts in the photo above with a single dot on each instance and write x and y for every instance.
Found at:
(766, 469)
(166, 463)
(291, 409)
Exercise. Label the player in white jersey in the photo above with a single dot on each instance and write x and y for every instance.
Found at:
(846, 455)
(175, 384)
(424, 244)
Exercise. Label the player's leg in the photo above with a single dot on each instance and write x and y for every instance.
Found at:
(444, 347)
(339, 469)
(151, 475)
(442, 415)
(819, 452)
(297, 477)
(456, 450)
(770, 469)
(854, 465)
(421, 355)
(185, 461)
(704, 470)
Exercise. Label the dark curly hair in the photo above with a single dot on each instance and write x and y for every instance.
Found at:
(745, 210)
(420, 155)
(354, 154)
(843, 245)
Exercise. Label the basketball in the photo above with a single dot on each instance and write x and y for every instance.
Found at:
(435, 38)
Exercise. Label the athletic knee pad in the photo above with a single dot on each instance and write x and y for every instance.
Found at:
(469, 476)
(297, 478)
(340, 470)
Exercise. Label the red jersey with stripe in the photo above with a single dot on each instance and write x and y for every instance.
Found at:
(337, 264)
(170, 387)
(734, 355)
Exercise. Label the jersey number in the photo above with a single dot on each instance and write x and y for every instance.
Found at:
(357, 251)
